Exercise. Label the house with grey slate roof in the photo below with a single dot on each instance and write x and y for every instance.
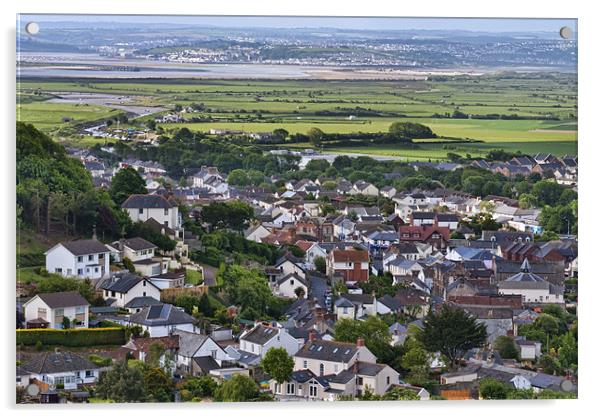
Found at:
(87, 258)
(142, 207)
(60, 370)
(162, 320)
(47, 310)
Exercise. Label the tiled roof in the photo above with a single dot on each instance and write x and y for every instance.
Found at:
(85, 246)
(138, 244)
(148, 201)
(161, 315)
(61, 362)
(63, 299)
(328, 351)
(260, 334)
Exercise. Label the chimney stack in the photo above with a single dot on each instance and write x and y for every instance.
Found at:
(312, 335)
(360, 342)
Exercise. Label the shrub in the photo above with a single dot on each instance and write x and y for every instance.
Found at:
(84, 337)
(99, 360)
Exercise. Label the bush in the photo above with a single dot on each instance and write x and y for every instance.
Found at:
(31, 260)
(99, 360)
(85, 337)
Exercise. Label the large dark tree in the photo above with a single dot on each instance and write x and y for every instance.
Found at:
(451, 331)
(233, 215)
(122, 384)
(278, 364)
(126, 182)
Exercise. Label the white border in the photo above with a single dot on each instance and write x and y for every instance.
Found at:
(589, 153)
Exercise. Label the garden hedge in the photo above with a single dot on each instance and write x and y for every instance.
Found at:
(82, 337)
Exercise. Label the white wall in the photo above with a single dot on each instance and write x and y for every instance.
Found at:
(158, 214)
(31, 312)
(76, 266)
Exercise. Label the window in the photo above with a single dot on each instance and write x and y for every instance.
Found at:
(345, 310)
(80, 259)
(95, 269)
(69, 271)
(214, 353)
(165, 212)
(89, 373)
(305, 364)
(290, 388)
(292, 282)
(42, 313)
(313, 390)
(388, 380)
(144, 283)
(140, 211)
(58, 270)
(278, 388)
(144, 294)
(90, 257)
(360, 381)
(321, 369)
(80, 272)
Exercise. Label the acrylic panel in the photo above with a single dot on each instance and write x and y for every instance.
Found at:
(242, 209)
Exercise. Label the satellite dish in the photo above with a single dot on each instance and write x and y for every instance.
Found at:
(33, 390)
(566, 385)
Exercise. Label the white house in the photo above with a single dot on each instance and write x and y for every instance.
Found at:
(161, 320)
(287, 285)
(529, 350)
(121, 289)
(81, 258)
(288, 264)
(256, 233)
(61, 370)
(533, 288)
(193, 345)
(142, 207)
(261, 338)
(47, 310)
(142, 254)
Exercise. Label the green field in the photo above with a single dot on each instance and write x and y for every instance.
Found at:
(547, 103)
(49, 117)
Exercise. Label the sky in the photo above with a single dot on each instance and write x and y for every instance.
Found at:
(495, 25)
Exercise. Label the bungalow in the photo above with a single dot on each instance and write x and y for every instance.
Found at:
(60, 370)
(161, 320)
(81, 259)
(48, 310)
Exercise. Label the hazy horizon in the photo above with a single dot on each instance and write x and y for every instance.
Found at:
(490, 25)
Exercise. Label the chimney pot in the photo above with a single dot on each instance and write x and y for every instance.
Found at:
(312, 335)
(360, 342)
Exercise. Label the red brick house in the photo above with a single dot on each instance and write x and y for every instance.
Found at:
(351, 264)
(437, 236)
